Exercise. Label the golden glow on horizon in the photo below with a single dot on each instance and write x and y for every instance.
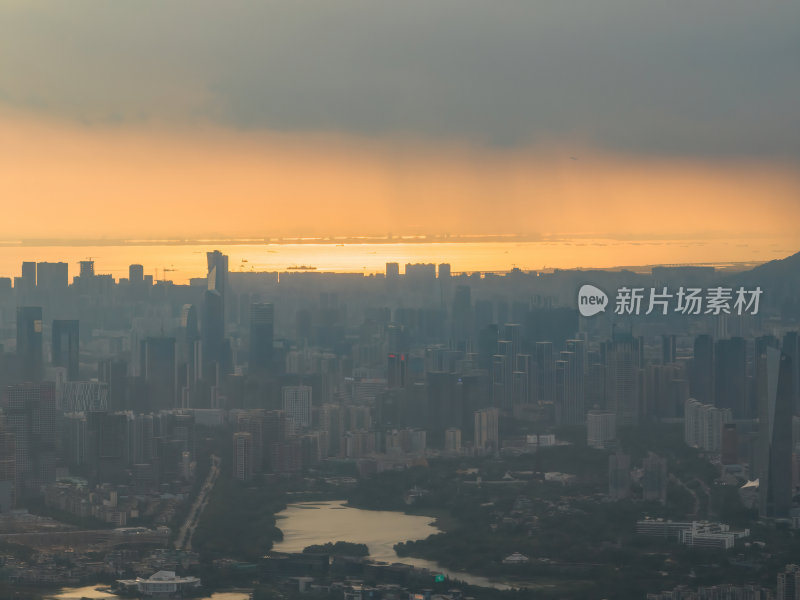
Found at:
(141, 181)
(187, 261)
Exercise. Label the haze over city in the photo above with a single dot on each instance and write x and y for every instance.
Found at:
(363, 300)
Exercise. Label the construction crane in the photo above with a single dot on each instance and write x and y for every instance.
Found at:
(164, 272)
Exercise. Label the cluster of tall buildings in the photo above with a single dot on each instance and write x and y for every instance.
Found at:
(108, 420)
(703, 425)
(304, 366)
(727, 427)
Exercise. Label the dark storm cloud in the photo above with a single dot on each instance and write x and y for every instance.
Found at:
(710, 77)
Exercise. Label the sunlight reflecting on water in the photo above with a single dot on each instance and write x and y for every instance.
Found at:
(92, 592)
(306, 524)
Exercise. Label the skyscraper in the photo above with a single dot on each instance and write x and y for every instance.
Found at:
(252, 422)
(297, 404)
(789, 583)
(158, 370)
(791, 346)
(392, 271)
(396, 371)
(577, 348)
(66, 346)
(217, 278)
(86, 269)
(8, 469)
(214, 302)
(487, 435)
(29, 342)
(519, 388)
(502, 369)
(701, 381)
(190, 330)
(545, 372)
(136, 274)
(513, 333)
(662, 391)
(31, 417)
(213, 330)
(668, 349)
(28, 277)
(622, 373)
(243, 455)
(730, 376)
(114, 373)
(524, 388)
(775, 435)
(262, 324)
(487, 345)
(601, 429)
(569, 390)
(52, 277)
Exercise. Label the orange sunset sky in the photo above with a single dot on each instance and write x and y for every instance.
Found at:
(122, 182)
(191, 122)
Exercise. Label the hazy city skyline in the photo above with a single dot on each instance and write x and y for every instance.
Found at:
(512, 287)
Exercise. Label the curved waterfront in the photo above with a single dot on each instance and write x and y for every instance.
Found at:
(310, 523)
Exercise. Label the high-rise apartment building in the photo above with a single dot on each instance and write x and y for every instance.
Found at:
(31, 417)
(29, 342)
(487, 429)
(297, 404)
(52, 277)
(622, 360)
(601, 429)
(243, 455)
(703, 424)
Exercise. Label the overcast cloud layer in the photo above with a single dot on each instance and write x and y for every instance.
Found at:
(708, 77)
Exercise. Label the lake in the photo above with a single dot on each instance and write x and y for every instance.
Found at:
(311, 523)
